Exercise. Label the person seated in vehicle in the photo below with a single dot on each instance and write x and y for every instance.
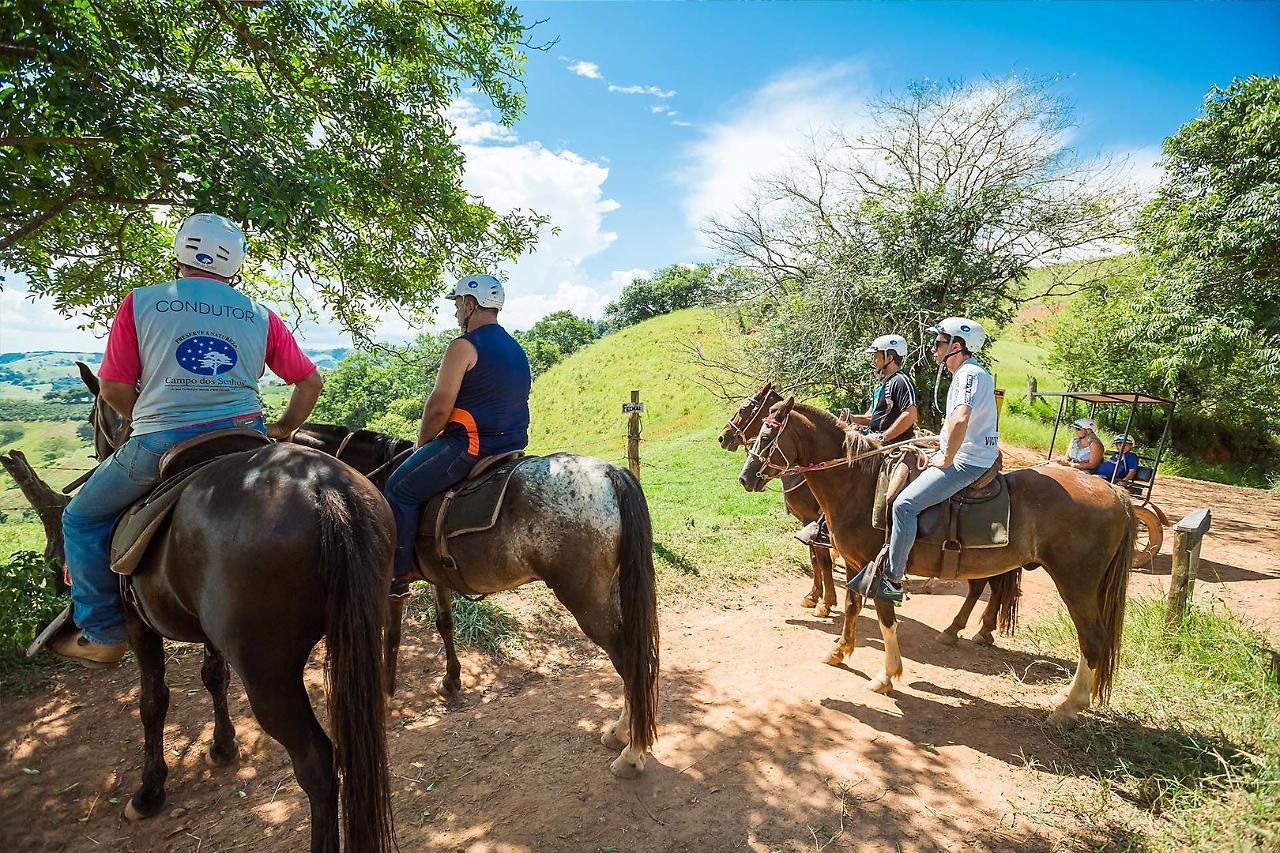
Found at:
(479, 407)
(968, 446)
(1122, 465)
(1084, 453)
(182, 358)
(890, 417)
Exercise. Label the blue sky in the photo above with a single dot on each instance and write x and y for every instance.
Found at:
(727, 89)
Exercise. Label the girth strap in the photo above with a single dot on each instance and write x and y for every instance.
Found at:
(456, 581)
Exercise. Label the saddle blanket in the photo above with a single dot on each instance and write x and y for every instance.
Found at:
(474, 507)
(974, 523)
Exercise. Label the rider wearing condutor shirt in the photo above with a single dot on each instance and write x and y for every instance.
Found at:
(183, 358)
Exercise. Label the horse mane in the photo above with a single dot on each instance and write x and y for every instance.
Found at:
(855, 442)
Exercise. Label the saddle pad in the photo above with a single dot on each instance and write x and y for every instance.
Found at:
(475, 507)
(980, 525)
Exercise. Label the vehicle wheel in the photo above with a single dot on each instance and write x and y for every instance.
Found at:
(1150, 536)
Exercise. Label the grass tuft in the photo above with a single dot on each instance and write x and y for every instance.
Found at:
(479, 624)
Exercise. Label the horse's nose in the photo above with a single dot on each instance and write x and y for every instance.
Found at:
(745, 481)
(724, 441)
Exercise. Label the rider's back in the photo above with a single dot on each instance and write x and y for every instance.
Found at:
(492, 407)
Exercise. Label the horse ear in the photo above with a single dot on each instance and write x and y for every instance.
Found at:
(768, 386)
(788, 403)
(88, 377)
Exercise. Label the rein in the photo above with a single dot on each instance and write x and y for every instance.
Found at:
(789, 469)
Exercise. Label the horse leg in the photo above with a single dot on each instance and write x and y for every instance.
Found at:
(986, 637)
(215, 675)
(153, 705)
(883, 682)
(815, 592)
(848, 631)
(952, 632)
(391, 643)
(451, 683)
(284, 712)
(824, 559)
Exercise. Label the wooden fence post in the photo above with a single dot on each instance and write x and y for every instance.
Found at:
(1031, 390)
(1188, 535)
(634, 408)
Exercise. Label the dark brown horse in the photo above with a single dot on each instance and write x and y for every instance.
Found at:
(576, 523)
(1079, 529)
(1001, 612)
(266, 553)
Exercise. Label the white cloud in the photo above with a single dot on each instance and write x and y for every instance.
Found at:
(1143, 167)
(28, 325)
(586, 69)
(643, 90)
(763, 135)
(683, 123)
(473, 125)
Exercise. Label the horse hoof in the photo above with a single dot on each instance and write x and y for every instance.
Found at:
(448, 686)
(133, 814)
(1064, 715)
(834, 658)
(809, 601)
(626, 767)
(610, 739)
(215, 757)
(881, 685)
(984, 639)
(822, 611)
(948, 638)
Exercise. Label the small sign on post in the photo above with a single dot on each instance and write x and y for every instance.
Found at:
(1188, 535)
(633, 409)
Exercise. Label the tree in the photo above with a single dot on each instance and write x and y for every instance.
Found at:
(1200, 318)
(554, 337)
(319, 124)
(366, 385)
(940, 208)
(669, 289)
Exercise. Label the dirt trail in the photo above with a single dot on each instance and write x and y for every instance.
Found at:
(761, 746)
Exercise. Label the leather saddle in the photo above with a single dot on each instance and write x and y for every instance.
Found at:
(471, 506)
(140, 522)
(975, 517)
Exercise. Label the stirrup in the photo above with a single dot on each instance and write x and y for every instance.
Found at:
(863, 581)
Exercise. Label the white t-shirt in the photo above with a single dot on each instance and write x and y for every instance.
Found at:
(972, 386)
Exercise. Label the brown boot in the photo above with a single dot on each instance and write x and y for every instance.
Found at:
(93, 655)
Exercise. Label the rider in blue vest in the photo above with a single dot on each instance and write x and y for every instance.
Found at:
(479, 407)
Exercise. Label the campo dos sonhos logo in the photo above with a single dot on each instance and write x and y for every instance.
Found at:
(206, 356)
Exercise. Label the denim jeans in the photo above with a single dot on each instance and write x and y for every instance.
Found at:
(124, 477)
(933, 486)
(433, 467)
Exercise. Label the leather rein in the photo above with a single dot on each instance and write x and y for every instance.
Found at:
(774, 470)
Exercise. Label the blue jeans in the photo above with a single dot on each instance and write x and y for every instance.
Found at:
(124, 477)
(433, 467)
(933, 486)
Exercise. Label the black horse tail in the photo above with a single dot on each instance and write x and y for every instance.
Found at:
(638, 598)
(1006, 590)
(355, 567)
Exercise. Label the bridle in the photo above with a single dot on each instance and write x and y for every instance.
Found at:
(770, 469)
(757, 400)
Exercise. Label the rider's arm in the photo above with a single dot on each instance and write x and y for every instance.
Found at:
(120, 395)
(458, 359)
(860, 420)
(1095, 457)
(954, 430)
(303, 399)
(287, 360)
(903, 423)
(121, 365)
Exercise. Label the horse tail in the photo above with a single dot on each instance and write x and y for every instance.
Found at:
(1112, 593)
(638, 598)
(355, 557)
(1006, 592)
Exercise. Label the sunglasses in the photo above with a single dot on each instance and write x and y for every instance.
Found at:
(937, 344)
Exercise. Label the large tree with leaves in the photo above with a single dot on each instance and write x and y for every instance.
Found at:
(940, 206)
(319, 124)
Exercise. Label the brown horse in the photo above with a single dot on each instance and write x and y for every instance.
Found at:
(1049, 511)
(1001, 612)
(576, 523)
(264, 554)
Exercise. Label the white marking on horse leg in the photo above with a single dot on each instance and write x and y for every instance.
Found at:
(618, 735)
(883, 683)
(1077, 697)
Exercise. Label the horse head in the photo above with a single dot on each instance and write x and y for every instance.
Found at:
(745, 423)
(773, 450)
(110, 428)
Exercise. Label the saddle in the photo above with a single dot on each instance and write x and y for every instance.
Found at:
(975, 517)
(140, 522)
(471, 506)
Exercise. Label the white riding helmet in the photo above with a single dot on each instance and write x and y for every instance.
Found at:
(486, 290)
(210, 242)
(1123, 438)
(885, 343)
(1085, 423)
(962, 327)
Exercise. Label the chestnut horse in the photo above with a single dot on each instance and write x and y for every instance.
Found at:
(576, 523)
(265, 553)
(1001, 612)
(1079, 529)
